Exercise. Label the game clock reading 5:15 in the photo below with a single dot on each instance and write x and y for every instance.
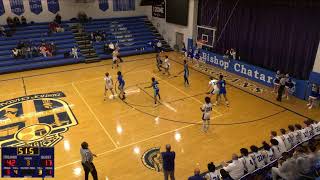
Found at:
(27, 151)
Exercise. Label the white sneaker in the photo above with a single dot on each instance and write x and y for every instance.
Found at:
(308, 104)
(310, 107)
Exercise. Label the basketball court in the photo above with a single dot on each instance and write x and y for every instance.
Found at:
(128, 135)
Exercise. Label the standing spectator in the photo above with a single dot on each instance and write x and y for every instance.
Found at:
(212, 174)
(233, 53)
(74, 52)
(86, 160)
(235, 168)
(196, 175)
(23, 20)
(168, 158)
(247, 160)
(286, 168)
(281, 87)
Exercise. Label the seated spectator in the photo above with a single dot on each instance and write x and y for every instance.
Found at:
(268, 153)
(286, 168)
(23, 20)
(257, 156)
(247, 161)
(286, 139)
(277, 151)
(43, 50)
(55, 27)
(74, 52)
(235, 168)
(225, 175)
(35, 51)
(196, 175)
(227, 55)
(57, 19)
(303, 162)
(53, 48)
(212, 174)
(2, 31)
(15, 53)
(82, 16)
(16, 21)
(92, 36)
(282, 145)
(28, 52)
(10, 22)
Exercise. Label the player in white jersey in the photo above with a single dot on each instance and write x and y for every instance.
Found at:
(108, 85)
(257, 156)
(281, 143)
(316, 127)
(268, 153)
(166, 65)
(298, 132)
(277, 151)
(247, 160)
(115, 55)
(286, 139)
(213, 87)
(212, 174)
(314, 95)
(307, 132)
(206, 109)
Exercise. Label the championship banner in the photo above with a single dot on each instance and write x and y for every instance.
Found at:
(35, 6)
(103, 5)
(159, 8)
(53, 6)
(17, 7)
(2, 10)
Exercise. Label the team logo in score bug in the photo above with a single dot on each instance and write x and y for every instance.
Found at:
(35, 120)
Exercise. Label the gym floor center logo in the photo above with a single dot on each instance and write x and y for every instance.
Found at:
(152, 159)
(35, 120)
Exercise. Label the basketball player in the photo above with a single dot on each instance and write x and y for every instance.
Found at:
(159, 61)
(213, 87)
(156, 90)
(289, 85)
(166, 65)
(108, 86)
(184, 51)
(257, 156)
(206, 109)
(190, 54)
(276, 82)
(121, 85)
(185, 73)
(222, 90)
(115, 54)
(313, 96)
(196, 55)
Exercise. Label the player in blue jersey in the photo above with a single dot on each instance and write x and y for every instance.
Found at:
(222, 90)
(196, 55)
(190, 54)
(313, 96)
(185, 72)
(156, 90)
(289, 86)
(121, 85)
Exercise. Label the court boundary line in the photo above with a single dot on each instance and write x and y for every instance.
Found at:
(94, 115)
(134, 143)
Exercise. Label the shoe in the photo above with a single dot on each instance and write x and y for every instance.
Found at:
(310, 107)
(308, 104)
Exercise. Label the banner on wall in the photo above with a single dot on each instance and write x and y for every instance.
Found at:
(251, 72)
(35, 6)
(2, 10)
(103, 5)
(159, 8)
(53, 6)
(124, 5)
(17, 7)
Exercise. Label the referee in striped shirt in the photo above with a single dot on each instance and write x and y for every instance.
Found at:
(86, 160)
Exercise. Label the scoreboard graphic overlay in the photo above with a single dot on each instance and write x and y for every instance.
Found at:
(19, 162)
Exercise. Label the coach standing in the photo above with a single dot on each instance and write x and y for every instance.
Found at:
(87, 158)
(281, 88)
(168, 162)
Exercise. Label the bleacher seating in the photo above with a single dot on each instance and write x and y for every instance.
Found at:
(131, 34)
(36, 33)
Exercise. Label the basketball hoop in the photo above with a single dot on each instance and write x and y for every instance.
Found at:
(200, 43)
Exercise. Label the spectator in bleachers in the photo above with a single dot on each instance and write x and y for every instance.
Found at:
(159, 46)
(23, 20)
(196, 175)
(282, 145)
(314, 156)
(293, 135)
(268, 153)
(15, 53)
(16, 21)
(28, 52)
(233, 53)
(298, 128)
(257, 156)
(247, 161)
(225, 175)
(53, 48)
(212, 174)
(168, 159)
(286, 139)
(35, 51)
(43, 50)
(2, 31)
(10, 22)
(55, 27)
(82, 16)
(277, 151)
(286, 168)
(57, 19)
(303, 162)
(74, 52)
(235, 168)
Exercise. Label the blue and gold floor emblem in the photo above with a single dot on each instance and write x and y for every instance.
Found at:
(152, 159)
(35, 120)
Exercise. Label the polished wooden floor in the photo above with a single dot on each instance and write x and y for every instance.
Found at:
(120, 132)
